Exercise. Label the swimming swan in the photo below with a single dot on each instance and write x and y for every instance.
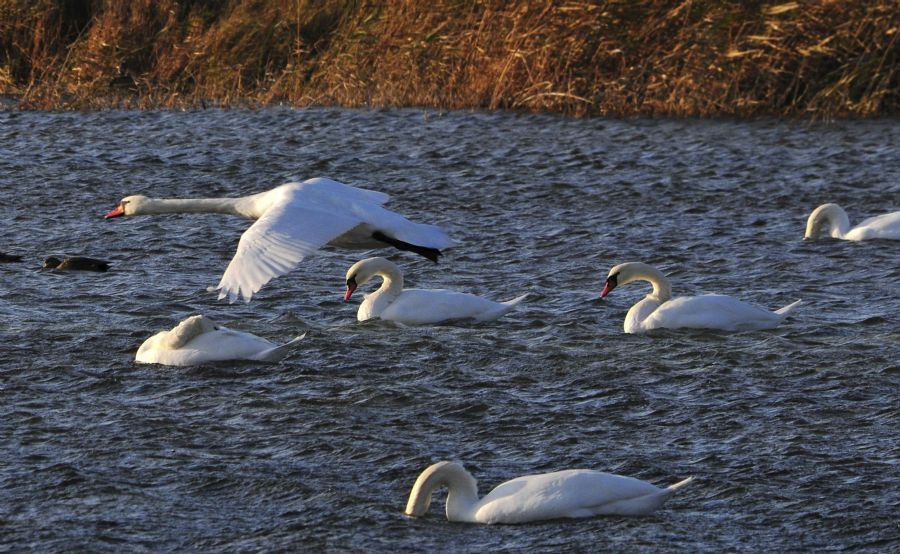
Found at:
(199, 339)
(885, 226)
(563, 494)
(708, 311)
(293, 221)
(416, 306)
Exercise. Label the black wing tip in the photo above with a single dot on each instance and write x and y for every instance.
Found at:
(431, 253)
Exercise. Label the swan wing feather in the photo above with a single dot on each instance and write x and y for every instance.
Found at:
(287, 232)
(711, 311)
(884, 226)
(562, 494)
(421, 306)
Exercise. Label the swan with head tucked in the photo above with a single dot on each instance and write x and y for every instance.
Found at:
(885, 226)
(198, 339)
(709, 311)
(293, 221)
(417, 306)
(572, 493)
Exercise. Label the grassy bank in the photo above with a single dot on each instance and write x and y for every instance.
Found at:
(682, 58)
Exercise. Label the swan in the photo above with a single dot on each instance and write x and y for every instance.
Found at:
(708, 311)
(884, 226)
(198, 339)
(562, 494)
(293, 221)
(76, 263)
(416, 306)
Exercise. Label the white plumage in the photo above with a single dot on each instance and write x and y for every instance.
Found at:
(709, 311)
(417, 306)
(885, 226)
(198, 339)
(573, 493)
(293, 221)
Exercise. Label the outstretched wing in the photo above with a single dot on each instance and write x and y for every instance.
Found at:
(278, 241)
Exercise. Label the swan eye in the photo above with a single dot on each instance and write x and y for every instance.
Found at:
(351, 282)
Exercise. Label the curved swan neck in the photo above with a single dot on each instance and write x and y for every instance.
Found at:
(392, 279)
(194, 205)
(636, 271)
(462, 494)
(365, 270)
(832, 214)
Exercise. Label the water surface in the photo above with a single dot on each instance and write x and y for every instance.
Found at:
(790, 433)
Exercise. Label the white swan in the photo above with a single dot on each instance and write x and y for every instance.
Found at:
(293, 221)
(562, 494)
(198, 339)
(885, 226)
(708, 311)
(417, 306)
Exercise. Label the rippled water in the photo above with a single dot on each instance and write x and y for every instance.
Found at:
(792, 434)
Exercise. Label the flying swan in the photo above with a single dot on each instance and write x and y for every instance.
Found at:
(417, 306)
(709, 311)
(572, 493)
(293, 221)
(198, 339)
(885, 226)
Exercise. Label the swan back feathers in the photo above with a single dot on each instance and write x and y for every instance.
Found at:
(186, 331)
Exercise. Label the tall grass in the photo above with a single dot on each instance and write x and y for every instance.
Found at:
(685, 58)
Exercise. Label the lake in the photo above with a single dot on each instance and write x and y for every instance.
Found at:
(791, 434)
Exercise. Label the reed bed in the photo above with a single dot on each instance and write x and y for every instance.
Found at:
(823, 58)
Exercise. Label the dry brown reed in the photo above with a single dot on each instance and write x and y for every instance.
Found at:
(826, 58)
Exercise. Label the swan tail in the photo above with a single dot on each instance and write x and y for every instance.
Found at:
(279, 352)
(515, 301)
(641, 505)
(679, 484)
(501, 308)
(784, 312)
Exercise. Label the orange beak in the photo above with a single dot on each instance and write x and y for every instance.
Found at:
(607, 289)
(351, 286)
(115, 213)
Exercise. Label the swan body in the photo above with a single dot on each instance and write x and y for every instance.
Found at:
(293, 221)
(198, 339)
(417, 306)
(709, 311)
(885, 226)
(573, 493)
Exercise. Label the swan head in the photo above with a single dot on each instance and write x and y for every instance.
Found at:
(832, 214)
(626, 273)
(362, 271)
(130, 205)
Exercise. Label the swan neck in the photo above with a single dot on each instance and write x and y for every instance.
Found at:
(393, 280)
(193, 205)
(834, 216)
(662, 287)
(392, 283)
(462, 493)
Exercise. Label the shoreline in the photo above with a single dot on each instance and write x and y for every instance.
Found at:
(817, 60)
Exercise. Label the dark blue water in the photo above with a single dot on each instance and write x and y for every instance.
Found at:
(792, 434)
